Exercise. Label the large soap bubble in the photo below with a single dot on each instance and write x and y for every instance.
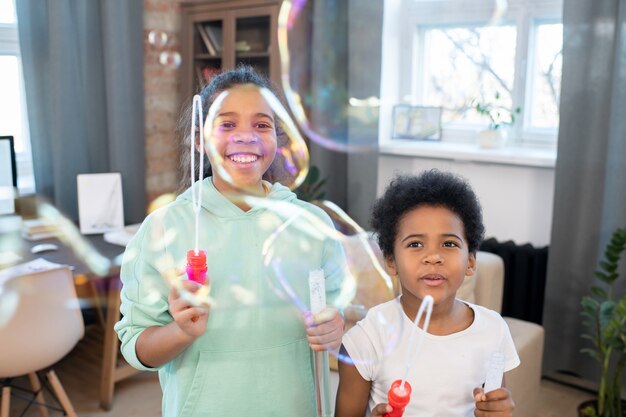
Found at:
(315, 79)
(304, 241)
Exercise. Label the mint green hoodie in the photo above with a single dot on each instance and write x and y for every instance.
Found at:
(253, 359)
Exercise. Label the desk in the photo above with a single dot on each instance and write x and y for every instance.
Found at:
(106, 293)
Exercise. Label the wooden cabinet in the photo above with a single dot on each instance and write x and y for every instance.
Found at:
(218, 35)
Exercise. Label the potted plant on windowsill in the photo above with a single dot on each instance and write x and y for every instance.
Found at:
(604, 315)
(499, 117)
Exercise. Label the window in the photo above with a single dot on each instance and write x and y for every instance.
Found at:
(13, 117)
(456, 54)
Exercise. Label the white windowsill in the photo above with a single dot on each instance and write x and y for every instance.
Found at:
(508, 155)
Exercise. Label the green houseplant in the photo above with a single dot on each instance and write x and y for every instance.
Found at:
(312, 187)
(498, 116)
(604, 315)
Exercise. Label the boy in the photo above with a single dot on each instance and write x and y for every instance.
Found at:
(429, 228)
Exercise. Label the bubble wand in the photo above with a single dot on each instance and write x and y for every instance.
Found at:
(317, 290)
(400, 392)
(196, 259)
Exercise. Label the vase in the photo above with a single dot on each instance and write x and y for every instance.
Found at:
(491, 138)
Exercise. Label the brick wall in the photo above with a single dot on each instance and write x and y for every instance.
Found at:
(162, 102)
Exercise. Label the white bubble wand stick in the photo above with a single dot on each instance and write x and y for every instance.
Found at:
(426, 306)
(317, 293)
(196, 258)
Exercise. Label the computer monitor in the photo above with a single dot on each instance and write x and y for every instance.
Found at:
(8, 175)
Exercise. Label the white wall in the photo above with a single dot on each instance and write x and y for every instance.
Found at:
(516, 200)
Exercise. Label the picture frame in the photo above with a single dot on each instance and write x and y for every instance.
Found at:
(416, 122)
(100, 202)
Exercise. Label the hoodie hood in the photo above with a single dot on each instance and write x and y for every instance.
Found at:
(216, 203)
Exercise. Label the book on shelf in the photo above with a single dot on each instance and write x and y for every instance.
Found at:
(210, 47)
(214, 33)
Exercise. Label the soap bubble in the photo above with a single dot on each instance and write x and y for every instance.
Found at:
(355, 280)
(157, 38)
(264, 287)
(334, 89)
(170, 59)
(316, 91)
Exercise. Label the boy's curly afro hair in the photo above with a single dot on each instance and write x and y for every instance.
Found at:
(432, 188)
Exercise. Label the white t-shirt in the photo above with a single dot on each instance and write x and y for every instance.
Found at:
(446, 369)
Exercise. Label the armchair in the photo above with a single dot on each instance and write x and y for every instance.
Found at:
(523, 381)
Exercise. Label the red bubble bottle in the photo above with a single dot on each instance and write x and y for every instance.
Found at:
(398, 397)
(196, 266)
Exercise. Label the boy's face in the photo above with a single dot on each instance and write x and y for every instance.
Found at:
(431, 254)
(244, 136)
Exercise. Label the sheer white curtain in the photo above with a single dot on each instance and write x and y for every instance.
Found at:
(83, 74)
(590, 184)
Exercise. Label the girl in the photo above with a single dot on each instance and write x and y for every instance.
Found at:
(250, 353)
(429, 228)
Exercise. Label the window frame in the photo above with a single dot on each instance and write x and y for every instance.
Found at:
(414, 17)
(9, 45)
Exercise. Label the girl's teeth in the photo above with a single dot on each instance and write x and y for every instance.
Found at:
(244, 158)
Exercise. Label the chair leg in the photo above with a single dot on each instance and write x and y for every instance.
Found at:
(60, 393)
(6, 399)
(34, 382)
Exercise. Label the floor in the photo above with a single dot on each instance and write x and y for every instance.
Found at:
(140, 395)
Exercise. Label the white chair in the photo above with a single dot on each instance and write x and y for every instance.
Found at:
(40, 323)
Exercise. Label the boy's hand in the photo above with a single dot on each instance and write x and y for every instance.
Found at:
(324, 330)
(381, 409)
(191, 320)
(496, 403)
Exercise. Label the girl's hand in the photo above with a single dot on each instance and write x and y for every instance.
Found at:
(191, 320)
(496, 403)
(324, 330)
(381, 409)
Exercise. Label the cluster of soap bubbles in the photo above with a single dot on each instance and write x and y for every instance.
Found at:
(159, 40)
(291, 232)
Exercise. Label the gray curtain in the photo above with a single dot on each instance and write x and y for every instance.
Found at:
(590, 184)
(83, 72)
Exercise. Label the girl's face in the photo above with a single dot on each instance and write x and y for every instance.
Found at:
(244, 136)
(431, 255)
